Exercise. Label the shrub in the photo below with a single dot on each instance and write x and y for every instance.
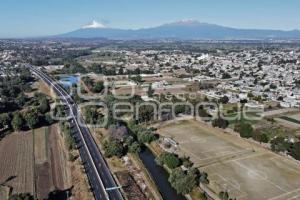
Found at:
(295, 151)
(72, 158)
(245, 129)
(219, 122)
(279, 144)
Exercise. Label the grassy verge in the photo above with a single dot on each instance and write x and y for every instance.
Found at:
(155, 148)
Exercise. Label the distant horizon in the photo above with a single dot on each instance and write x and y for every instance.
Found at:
(35, 18)
(178, 21)
(95, 25)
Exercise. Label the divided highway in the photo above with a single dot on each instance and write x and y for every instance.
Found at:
(99, 175)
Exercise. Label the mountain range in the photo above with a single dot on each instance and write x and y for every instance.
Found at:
(182, 30)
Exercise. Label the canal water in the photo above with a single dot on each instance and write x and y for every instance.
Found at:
(68, 80)
(160, 176)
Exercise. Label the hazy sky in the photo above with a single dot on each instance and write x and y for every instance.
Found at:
(23, 18)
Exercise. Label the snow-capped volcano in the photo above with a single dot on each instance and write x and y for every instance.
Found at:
(183, 30)
(94, 24)
(185, 22)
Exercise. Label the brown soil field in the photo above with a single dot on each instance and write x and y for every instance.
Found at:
(169, 79)
(51, 161)
(127, 90)
(16, 154)
(59, 159)
(17, 169)
(43, 180)
(42, 165)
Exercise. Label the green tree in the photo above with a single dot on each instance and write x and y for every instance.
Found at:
(138, 79)
(44, 105)
(4, 120)
(226, 75)
(21, 100)
(128, 140)
(250, 95)
(49, 120)
(183, 182)
(146, 137)
(243, 101)
(171, 160)
(220, 122)
(113, 147)
(98, 87)
(203, 196)
(92, 116)
(186, 162)
(263, 138)
(224, 100)
(31, 118)
(245, 129)
(150, 91)
(121, 71)
(134, 147)
(17, 121)
(295, 150)
(280, 144)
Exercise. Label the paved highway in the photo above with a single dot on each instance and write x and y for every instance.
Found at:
(99, 175)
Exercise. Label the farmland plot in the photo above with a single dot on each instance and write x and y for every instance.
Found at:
(16, 169)
(246, 171)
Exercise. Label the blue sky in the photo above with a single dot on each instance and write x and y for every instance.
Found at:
(23, 18)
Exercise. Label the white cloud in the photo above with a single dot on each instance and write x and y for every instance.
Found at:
(94, 24)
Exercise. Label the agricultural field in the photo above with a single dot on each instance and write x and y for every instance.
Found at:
(42, 165)
(169, 79)
(40, 145)
(245, 170)
(101, 57)
(295, 116)
(59, 159)
(26, 155)
(249, 117)
(289, 120)
(49, 161)
(16, 169)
